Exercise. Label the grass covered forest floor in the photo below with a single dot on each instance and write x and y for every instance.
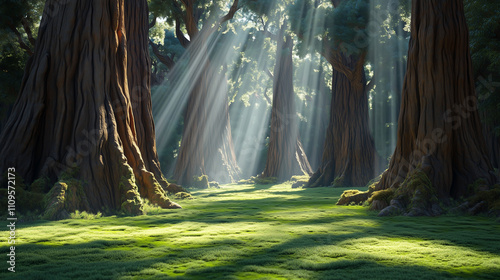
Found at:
(258, 232)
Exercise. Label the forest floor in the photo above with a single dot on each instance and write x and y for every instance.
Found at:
(258, 232)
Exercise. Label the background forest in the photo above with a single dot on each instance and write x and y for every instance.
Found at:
(257, 89)
(243, 57)
(301, 138)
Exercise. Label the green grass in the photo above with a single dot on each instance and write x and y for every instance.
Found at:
(258, 232)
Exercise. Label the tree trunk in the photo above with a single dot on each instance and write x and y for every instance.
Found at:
(74, 115)
(285, 156)
(439, 131)
(349, 153)
(207, 145)
(139, 84)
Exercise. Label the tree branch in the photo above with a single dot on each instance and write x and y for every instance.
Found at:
(180, 36)
(152, 23)
(335, 59)
(20, 39)
(234, 8)
(269, 73)
(190, 19)
(27, 29)
(165, 59)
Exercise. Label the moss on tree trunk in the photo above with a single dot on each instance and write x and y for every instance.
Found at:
(440, 140)
(77, 105)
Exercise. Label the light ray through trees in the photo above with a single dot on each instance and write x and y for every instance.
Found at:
(246, 82)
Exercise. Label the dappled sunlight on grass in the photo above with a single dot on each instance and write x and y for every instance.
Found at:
(260, 232)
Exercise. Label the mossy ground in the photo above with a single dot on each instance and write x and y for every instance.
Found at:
(258, 232)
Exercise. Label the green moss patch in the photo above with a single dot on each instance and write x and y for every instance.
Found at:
(200, 182)
(381, 199)
(353, 197)
(65, 197)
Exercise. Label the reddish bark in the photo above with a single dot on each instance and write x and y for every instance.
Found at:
(439, 131)
(75, 111)
(349, 154)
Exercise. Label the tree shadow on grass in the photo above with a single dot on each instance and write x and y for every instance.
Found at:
(264, 256)
(301, 257)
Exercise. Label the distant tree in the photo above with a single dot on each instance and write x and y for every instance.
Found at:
(334, 29)
(83, 116)
(440, 152)
(206, 146)
(285, 156)
(483, 20)
(386, 63)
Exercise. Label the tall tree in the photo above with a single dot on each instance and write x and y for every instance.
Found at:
(207, 145)
(285, 156)
(78, 119)
(349, 153)
(440, 149)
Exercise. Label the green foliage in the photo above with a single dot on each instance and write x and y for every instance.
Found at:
(150, 208)
(343, 27)
(483, 21)
(260, 7)
(12, 57)
(347, 21)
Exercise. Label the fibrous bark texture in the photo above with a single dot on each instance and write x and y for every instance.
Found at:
(349, 153)
(439, 131)
(285, 156)
(84, 107)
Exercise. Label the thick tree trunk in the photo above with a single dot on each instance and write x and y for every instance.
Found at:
(74, 114)
(139, 80)
(439, 131)
(349, 154)
(285, 156)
